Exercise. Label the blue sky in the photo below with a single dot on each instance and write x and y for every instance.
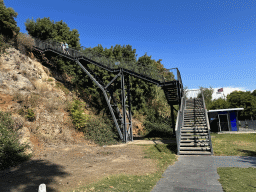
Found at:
(211, 42)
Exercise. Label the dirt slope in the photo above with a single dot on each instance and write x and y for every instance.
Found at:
(62, 159)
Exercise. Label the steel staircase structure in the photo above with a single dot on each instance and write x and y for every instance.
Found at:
(173, 89)
(193, 131)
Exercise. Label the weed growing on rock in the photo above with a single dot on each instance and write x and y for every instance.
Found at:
(30, 115)
(27, 113)
(18, 97)
(52, 105)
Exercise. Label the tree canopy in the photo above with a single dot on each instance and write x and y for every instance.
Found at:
(246, 100)
(219, 104)
(207, 95)
(46, 29)
(8, 26)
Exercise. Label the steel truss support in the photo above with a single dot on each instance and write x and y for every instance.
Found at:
(121, 120)
(126, 102)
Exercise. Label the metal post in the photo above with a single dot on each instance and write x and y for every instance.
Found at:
(123, 107)
(129, 108)
(173, 126)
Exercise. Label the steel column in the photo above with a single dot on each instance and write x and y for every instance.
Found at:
(124, 125)
(129, 114)
(172, 115)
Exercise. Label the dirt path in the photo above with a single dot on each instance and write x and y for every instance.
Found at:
(63, 168)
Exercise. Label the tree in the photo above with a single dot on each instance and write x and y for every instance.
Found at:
(145, 61)
(45, 29)
(219, 104)
(207, 95)
(8, 26)
(240, 99)
(254, 93)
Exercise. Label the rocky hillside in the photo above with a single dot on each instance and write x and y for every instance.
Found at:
(38, 103)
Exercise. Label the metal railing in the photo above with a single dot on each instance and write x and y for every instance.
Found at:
(207, 120)
(179, 124)
(111, 64)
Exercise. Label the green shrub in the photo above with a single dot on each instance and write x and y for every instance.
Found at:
(11, 151)
(25, 43)
(3, 44)
(157, 125)
(101, 131)
(79, 118)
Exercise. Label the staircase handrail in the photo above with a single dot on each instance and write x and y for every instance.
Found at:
(207, 121)
(179, 123)
(102, 59)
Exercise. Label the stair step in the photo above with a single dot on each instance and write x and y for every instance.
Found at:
(194, 144)
(196, 122)
(194, 127)
(194, 141)
(194, 131)
(193, 134)
(195, 148)
(194, 137)
(195, 153)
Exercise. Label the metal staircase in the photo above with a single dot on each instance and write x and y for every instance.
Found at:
(195, 133)
(173, 88)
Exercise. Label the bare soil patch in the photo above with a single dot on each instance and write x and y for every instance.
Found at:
(66, 167)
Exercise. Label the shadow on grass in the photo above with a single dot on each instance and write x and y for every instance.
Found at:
(248, 152)
(161, 134)
(172, 147)
(29, 175)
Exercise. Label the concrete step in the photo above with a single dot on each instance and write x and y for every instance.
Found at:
(195, 122)
(193, 137)
(194, 141)
(186, 124)
(195, 153)
(193, 134)
(193, 112)
(195, 148)
(194, 125)
(194, 131)
(194, 144)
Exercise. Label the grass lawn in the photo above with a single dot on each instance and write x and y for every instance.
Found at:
(234, 144)
(164, 154)
(237, 179)
(233, 178)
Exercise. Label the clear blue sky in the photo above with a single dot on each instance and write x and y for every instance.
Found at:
(211, 42)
